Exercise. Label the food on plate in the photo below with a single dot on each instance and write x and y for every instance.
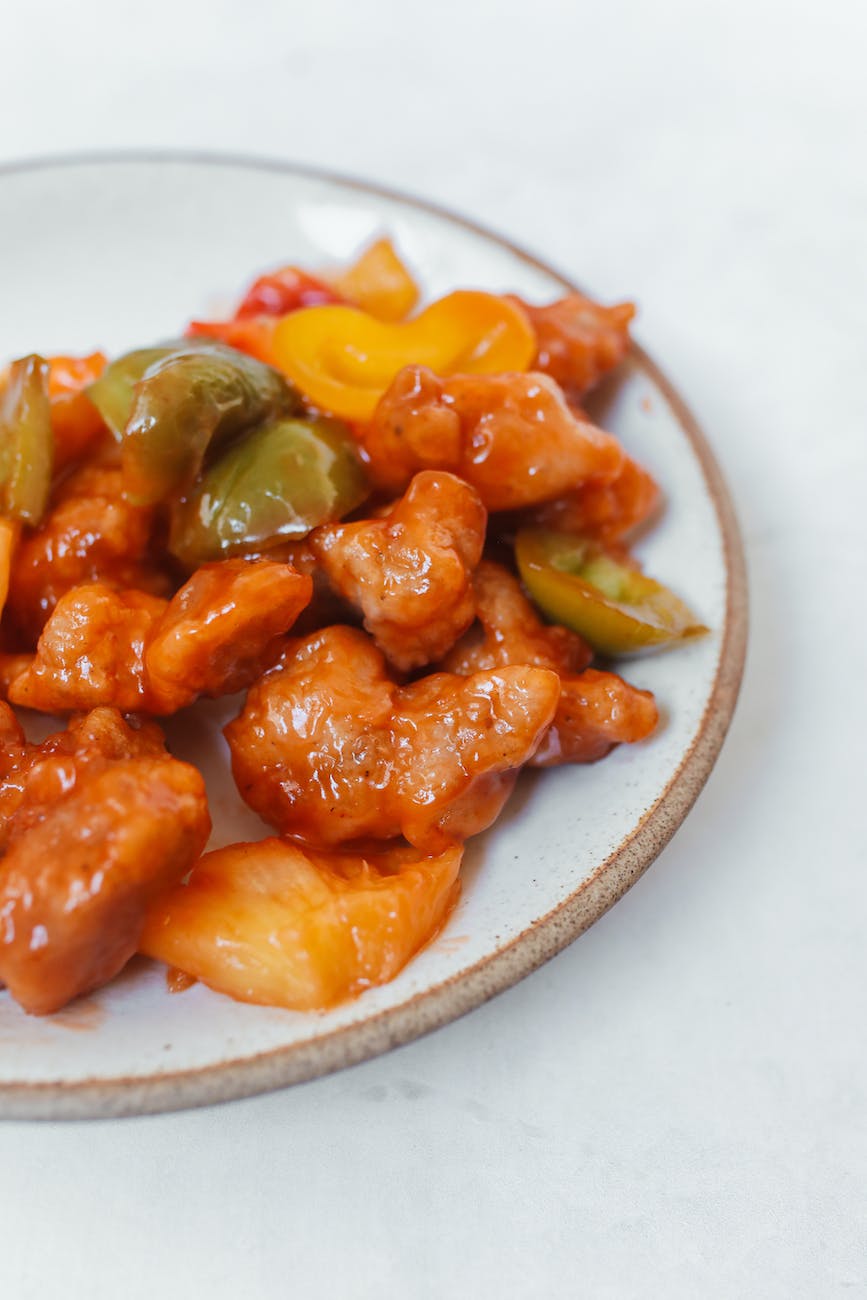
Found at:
(74, 422)
(344, 359)
(135, 652)
(605, 509)
(96, 823)
(90, 533)
(511, 436)
(26, 441)
(389, 535)
(186, 403)
(329, 748)
(578, 341)
(409, 572)
(378, 282)
(280, 481)
(615, 606)
(596, 710)
(278, 924)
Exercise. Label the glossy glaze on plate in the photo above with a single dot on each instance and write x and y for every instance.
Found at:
(150, 242)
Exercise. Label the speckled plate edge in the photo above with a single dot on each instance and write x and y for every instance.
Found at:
(449, 999)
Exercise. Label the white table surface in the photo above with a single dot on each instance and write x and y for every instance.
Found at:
(675, 1107)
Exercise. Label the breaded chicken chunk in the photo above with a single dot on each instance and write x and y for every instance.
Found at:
(512, 437)
(329, 749)
(132, 651)
(95, 823)
(596, 710)
(410, 572)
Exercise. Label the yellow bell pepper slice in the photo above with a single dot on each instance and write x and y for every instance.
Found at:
(378, 282)
(343, 359)
(617, 609)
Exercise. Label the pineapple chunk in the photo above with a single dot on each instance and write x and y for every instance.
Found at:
(277, 925)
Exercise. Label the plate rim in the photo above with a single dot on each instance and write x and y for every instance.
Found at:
(451, 998)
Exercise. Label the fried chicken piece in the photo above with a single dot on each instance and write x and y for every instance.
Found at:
(596, 711)
(91, 534)
(607, 511)
(223, 629)
(91, 653)
(329, 749)
(310, 750)
(578, 341)
(281, 926)
(466, 739)
(509, 631)
(48, 771)
(13, 754)
(12, 666)
(11, 735)
(326, 606)
(512, 437)
(410, 572)
(96, 823)
(136, 652)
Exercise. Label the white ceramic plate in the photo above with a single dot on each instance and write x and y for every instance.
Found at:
(119, 252)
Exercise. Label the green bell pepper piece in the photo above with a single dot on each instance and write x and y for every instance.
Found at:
(189, 403)
(26, 441)
(617, 609)
(112, 393)
(277, 483)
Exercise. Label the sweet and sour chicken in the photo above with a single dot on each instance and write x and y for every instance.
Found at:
(329, 748)
(391, 536)
(96, 822)
(410, 572)
(511, 437)
(596, 710)
(136, 652)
